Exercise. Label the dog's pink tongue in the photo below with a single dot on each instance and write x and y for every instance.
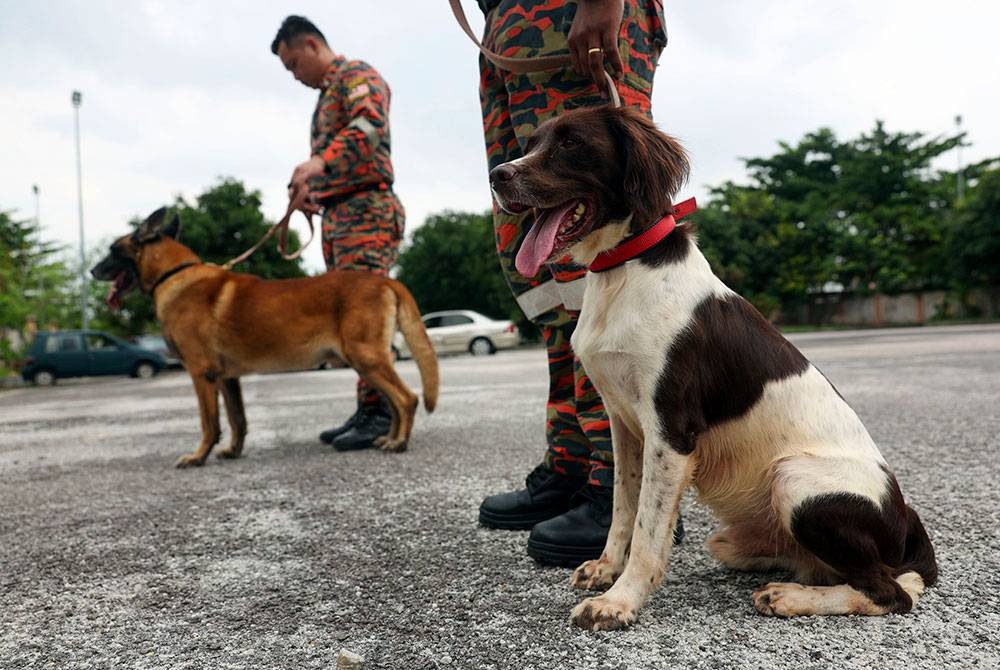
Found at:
(541, 239)
(114, 300)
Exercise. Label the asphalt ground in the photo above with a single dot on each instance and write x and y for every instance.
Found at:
(110, 557)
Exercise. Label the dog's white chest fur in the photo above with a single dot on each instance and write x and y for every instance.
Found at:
(629, 318)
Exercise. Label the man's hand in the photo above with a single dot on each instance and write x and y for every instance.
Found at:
(303, 173)
(596, 26)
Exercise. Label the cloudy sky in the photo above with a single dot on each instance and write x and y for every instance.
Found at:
(178, 93)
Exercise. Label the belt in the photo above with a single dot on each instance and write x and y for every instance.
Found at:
(338, 198)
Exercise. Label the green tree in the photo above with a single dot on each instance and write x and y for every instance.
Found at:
(451, 263)
(223, 222)
(33, 281)
(891, 207)
(868, 214)
(973, 241)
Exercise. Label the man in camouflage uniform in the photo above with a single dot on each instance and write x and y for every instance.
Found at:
(350, 177)
(567, 498)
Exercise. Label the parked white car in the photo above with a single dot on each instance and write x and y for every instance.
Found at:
(458, 330)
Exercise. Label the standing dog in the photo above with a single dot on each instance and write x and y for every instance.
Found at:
(701, 389)
(224, 324)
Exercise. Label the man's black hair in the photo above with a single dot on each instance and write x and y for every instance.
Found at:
(292, 29)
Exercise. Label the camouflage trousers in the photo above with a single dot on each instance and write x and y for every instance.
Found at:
(577, 429)
(362, 232)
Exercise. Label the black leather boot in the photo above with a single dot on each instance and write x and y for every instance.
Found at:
(576, 536)
(327, 436)
(580, 534)
(546, 494)
(372, 423)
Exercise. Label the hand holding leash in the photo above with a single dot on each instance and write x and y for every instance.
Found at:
(598, 23)
(593, 38)
(303, 173)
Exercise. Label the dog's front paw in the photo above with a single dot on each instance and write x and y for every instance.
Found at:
(781, 599)
(227, 453)
(386, 443)
(190, 461)
(595, 575)
(602, 613)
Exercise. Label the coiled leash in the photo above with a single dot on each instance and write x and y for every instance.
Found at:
(296, 203)
(527, 65)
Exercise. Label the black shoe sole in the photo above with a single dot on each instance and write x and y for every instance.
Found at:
(562, 555)
(571, 557)
(516, 521)
(353, 447)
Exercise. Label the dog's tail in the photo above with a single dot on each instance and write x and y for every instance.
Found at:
(408, 320)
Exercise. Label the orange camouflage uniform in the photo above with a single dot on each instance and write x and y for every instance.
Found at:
(513, 105)
(363, 218)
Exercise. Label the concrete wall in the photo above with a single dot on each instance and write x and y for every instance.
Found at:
(906, 308)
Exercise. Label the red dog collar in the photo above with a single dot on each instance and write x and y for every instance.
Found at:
(634, 246)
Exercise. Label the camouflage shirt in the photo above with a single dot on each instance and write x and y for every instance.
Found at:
(350, 129)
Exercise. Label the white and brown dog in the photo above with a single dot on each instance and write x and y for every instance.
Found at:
(702, 390)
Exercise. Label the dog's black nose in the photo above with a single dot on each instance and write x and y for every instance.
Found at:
(502, 173)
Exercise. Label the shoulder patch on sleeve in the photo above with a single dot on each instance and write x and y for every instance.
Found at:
(357, 91)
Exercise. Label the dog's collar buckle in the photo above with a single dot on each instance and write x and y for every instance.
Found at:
(635, 245)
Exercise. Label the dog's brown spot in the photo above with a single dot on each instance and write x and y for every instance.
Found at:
(717, 369)
(870, 545)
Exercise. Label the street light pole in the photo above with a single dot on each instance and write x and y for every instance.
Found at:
(77, 100)
(38, 218)
(959, 177)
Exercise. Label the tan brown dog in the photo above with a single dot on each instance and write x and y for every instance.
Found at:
(225, 324)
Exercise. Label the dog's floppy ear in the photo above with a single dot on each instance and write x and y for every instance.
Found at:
(151, 227)
(656, 166)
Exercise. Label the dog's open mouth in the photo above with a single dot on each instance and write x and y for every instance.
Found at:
(123, 283)
(554, 229)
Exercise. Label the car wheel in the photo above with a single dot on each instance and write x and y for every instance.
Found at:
(144, 370)
(44, 378)
(481, 346)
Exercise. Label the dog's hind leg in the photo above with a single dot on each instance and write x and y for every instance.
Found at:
(854, 538)
(403, 402)
(206, 387)
(787, 599)
(602, 572)
(750, 548)
(233, 397)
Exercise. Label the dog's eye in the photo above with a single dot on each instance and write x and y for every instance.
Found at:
(569, 143)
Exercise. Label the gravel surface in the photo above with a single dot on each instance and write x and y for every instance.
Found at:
(110, 557)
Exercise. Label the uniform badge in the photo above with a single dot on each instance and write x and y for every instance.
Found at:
(357, 88)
